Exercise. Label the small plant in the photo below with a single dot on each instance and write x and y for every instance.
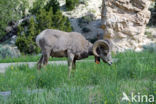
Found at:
(83, 2)
(70, 4)
(149, 34)
(8, 51)
(85, 20)
(92, 11)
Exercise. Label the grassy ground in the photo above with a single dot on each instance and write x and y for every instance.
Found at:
(30, 58)
(89, 84)
(26, 58)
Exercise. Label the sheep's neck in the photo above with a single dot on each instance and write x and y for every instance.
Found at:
(90, 50)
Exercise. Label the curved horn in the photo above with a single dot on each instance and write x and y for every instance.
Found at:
(100, 43)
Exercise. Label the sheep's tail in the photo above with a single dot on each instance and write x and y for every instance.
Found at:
(38, 39)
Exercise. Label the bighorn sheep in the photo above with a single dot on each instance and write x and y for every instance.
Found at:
(72, 45)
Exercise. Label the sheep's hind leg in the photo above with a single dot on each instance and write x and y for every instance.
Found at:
(45, 58)
(39, 64)
(46, 55)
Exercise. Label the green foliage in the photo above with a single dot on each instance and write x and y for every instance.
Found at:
(90, 83)
(36, 6)
(11, 10)
(46, 17)
(26, 58)
(54, 4)
(26, 42)
(40, 4)
(62, 22)
(70, 4)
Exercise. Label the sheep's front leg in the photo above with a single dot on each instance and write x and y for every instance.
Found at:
(70, 62)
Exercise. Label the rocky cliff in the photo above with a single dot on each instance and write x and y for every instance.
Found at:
(124, 22)
(85, 18)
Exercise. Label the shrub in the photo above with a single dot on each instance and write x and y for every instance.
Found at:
(70, 4)
(26, 41)
(54, 4)
(46, 17)
(36, 6)
(8, 51)
(85, 20)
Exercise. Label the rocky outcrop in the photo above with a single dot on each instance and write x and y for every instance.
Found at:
(11, 29)
(124, 22)
(85, 18)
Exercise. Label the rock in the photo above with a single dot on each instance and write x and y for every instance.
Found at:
(8, 29)
(86, 15)
(124, 22)
(150, 47)
(12, 28)
(13, 40)
(9, 51)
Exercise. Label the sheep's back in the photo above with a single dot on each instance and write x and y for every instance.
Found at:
(61, 41)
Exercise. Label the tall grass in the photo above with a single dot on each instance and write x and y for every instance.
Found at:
(90, 83)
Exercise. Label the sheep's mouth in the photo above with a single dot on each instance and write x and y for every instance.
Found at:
(108, 62)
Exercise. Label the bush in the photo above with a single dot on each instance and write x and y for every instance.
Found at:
(46, 17)
(26, 41)
(70, 4)
(54, 4)
(39, 4)
(8, 51)
(85, 20)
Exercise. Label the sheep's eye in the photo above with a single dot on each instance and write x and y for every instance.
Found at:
(105, 53)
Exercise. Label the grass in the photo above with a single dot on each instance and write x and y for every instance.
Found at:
(89, 84)
(30, 58)
(26, 58)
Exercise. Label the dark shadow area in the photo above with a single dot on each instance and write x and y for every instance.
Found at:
(152, 21)
(150, 47)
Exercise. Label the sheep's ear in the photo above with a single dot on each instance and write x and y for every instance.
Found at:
(97, 60)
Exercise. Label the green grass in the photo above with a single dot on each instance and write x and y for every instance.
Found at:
(26, 58)
(30, 58)
(89, 84)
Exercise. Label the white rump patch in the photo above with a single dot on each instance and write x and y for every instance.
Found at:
(39, 37)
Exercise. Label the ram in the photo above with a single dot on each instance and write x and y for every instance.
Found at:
(72, 45)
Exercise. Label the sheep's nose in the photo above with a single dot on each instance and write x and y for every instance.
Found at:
(110, 63)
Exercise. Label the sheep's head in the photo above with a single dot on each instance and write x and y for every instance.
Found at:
(102, 49)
